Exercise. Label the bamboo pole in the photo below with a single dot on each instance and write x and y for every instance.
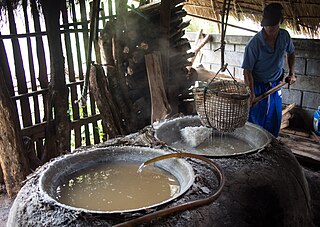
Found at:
(36, 107)
(43, 75)
(31, 64)
(83, 16)
(95, 10)
(71, 71)
(77, 130)
(4, 64)
(20, 73)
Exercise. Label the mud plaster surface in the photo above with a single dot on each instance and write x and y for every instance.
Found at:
(258, 192)
(5, 204)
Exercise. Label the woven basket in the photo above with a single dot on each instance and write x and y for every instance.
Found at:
(223, 105)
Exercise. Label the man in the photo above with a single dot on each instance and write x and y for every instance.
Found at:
(263, 68)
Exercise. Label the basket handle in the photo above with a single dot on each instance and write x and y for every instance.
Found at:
(223, 68)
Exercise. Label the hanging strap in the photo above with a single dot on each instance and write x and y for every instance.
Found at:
(224, 23)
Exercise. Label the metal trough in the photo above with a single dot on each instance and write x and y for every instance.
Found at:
(60, 169)
(170, 132)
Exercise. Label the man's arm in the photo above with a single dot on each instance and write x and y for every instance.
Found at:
(291, 59)
(248, 80)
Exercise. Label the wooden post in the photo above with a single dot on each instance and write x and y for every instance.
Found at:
(13, 161)
(58, 134)
(109, 112)
(160, 107)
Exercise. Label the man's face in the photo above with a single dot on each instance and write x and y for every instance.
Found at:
(272, 30)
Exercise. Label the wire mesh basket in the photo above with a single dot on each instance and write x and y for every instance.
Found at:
(223, 104)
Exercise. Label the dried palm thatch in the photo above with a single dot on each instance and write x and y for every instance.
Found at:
(302, 16)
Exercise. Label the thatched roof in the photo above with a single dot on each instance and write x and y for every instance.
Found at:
(302, 16)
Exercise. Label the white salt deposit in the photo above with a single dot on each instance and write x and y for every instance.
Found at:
(193, 136)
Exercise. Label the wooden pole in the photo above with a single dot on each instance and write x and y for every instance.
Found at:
(19, 70)
(13, 161)
(58, 134)
(259, 98)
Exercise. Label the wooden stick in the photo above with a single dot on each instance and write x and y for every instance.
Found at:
(198, 37)
(202, 43)
(284, 124)
(287, 116)
(315, 137)
(259, 98)
(288, 108)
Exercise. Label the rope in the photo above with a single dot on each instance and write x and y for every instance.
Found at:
(224, 23)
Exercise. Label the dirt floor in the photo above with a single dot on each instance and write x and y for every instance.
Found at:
(5, 204)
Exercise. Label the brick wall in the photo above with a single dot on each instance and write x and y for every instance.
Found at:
(305, 93)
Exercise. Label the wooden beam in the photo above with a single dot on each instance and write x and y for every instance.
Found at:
(160, 107)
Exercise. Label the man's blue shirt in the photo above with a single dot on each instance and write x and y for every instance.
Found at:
(266, 63)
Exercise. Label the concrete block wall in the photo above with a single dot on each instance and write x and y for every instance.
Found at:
(305, 93)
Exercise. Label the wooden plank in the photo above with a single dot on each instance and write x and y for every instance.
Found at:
(306, 155)
(284, 124)
(297, 133)
(44, 91)
(37, 131)
(315, 137)
(160, 107)
(108, 111)
(286, 116)
(301, 144)
(306, 146)
(288, 108)
(15, 36)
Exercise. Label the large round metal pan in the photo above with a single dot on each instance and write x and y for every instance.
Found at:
(169, 132)
(67, 165)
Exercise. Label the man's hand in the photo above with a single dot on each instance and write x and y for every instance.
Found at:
(252, 98)
(290, 79)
